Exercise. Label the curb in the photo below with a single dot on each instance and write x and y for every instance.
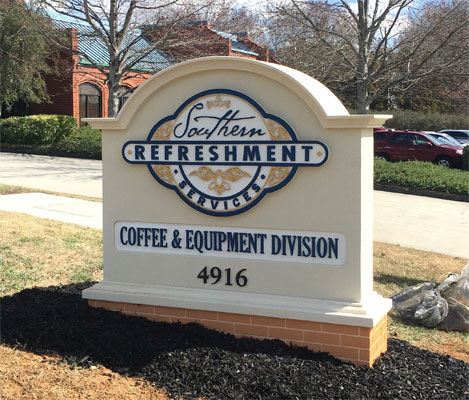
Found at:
(6, 148)
(377, 186)
(422, 192)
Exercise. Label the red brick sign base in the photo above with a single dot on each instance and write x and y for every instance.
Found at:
(355, 344)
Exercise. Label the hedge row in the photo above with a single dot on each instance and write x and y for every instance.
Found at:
(50, 134)
(57, 134)
(420, 121)
(421, 175)
(465, 158)
(84, 141)
(36, 129)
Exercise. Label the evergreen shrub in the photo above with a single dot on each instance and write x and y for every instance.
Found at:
(465, 158)
(419, 121)
(421, 175)
(36, 129)
(85, 142)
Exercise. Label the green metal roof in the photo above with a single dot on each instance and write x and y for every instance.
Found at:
(141, 54)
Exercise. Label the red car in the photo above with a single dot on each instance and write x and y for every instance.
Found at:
(393, 145)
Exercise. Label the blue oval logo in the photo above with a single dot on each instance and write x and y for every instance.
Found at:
(222, 153)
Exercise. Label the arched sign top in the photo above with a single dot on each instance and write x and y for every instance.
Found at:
(330, 112)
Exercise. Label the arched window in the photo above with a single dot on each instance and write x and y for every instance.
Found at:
(90, 102)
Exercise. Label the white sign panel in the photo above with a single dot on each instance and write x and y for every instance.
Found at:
(260, 244)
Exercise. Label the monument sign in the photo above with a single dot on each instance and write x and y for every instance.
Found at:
(238, 194)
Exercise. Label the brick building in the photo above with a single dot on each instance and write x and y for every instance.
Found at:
(81, 90)
(198, 39)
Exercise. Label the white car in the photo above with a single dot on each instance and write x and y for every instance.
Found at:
(461, 135)
(447, 139)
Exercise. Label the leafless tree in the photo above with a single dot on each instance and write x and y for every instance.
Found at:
(226, 15)
(215, 26)
(117, 25)
(444, 83)
(364, 52)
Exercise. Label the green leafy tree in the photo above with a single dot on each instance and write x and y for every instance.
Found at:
(23, 53)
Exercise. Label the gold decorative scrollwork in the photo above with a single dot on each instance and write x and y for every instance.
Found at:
(277, 175)
(164, 173)
(163, 132)
(277, 131)
(218, 102)
(219, 178)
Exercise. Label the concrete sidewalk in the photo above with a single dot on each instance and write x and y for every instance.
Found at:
(419, 222)
(56, 174)
(61, 208)
(422, 223)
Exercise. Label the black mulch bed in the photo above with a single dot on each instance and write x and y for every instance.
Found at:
(192, 361)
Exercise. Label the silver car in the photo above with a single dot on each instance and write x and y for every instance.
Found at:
(461, 135)
(447, 139)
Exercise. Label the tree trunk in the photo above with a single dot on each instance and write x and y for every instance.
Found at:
(113, 83)
(361, 101)
(362, 98)
(113, 100)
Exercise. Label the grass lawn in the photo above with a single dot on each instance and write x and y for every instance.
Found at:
(40, 252)
(396, 268)
(12, 189)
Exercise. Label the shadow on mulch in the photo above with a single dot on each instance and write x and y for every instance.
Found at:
(191, 361)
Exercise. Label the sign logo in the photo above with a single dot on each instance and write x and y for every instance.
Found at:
(222, 153)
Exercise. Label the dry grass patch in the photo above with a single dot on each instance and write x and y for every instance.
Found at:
(41, 252)
(396, 268)
(12, 189)
(29, 376)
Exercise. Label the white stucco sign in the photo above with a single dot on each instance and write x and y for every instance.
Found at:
(239, 186)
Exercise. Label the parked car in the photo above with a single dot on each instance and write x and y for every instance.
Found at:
(447, 139)
(461, 135)
(394, 145)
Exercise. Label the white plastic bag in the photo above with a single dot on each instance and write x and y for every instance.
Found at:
(445, 305)
(455, 290)
(421, 304)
